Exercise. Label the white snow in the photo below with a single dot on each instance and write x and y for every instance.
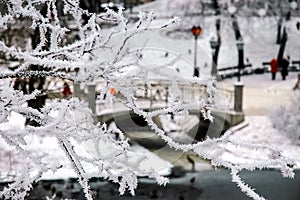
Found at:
(260, 130)
(10, 161)
(261, 97)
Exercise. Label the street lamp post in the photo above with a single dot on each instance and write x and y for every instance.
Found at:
(240, 47)
(213, 45)
(196, 30)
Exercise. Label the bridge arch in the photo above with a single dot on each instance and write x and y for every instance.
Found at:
(127, 121)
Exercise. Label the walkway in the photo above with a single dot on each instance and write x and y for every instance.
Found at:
(261, 94)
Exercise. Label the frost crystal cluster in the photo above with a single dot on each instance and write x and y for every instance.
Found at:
(69, 43)
(286, 118)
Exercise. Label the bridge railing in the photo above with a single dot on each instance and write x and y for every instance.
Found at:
(225, 98)
(159, 91)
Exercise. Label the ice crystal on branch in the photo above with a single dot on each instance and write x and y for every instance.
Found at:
(72, 44)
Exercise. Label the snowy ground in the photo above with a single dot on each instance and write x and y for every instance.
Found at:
(10, 161)
(261, 95)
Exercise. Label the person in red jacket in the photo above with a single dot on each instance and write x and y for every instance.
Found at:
(66, 91)
(274, 67)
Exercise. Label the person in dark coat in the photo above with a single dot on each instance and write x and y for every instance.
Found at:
(274, 67)
(284, 68)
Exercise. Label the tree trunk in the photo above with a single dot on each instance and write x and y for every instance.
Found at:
(282, 46)
(125, 4)
(279, 26)
(93, 6)
(218, 27)
(216, 7)
(214, 71)
(98, 5)
(238, 37)
(216, 54)
(236, 29)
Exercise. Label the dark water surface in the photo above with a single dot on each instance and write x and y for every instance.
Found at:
(203, 185)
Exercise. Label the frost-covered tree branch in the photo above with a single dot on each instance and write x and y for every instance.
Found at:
(290, 120)
(98, 54)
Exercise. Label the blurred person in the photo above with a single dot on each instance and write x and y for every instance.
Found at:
(66, 91)
(274, 67)
(284, 67)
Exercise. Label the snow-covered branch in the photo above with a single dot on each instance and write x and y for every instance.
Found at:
(77, 47)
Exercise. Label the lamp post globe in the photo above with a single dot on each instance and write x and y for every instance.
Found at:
(240, 44)
(196, 30)
(213, 43)
(294, 5)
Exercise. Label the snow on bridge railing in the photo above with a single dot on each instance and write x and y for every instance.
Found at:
(163, 90)
(227, 97)
(158, 93)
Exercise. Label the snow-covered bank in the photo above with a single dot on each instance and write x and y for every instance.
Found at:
(259, 130)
